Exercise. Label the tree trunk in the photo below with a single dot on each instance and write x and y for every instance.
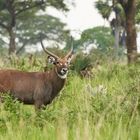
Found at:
(123, 39)
(117, 28)
(131, 44)
(12, 44)
(117, 35)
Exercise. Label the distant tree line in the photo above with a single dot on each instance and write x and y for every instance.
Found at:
(22, 22)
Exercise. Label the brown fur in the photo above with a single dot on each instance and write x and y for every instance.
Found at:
(38, 88)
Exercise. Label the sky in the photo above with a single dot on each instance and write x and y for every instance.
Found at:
(82, 16)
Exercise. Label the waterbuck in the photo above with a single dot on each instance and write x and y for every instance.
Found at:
(38, 88)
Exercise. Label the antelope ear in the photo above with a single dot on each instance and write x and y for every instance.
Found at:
(51, 60)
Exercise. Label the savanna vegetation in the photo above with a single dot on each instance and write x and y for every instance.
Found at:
(105, 106)
(101, 98)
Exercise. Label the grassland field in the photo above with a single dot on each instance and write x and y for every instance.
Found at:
(103, 107)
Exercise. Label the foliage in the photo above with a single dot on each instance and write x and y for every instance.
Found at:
(100, 37)
(3, 50)
(107, 7)
(48, 27)
(83, 110)
(96, 57)
(138, 11)
(82, 61)
(24, 19)
(104, 8)
(125, 13)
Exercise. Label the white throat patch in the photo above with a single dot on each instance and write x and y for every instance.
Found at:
(61, 76)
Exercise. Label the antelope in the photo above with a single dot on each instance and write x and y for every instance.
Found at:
(37, 88)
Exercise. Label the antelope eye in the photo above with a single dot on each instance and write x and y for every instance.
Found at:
(59, 63)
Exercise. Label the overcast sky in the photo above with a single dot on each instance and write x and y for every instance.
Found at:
(82, 16)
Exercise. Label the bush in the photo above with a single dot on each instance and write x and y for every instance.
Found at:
(104, 107)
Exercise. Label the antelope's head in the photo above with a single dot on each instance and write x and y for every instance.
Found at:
(61, 64)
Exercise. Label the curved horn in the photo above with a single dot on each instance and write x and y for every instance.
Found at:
(48, 52)
(71, 52)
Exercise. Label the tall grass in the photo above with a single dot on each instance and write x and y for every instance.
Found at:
(105, 107)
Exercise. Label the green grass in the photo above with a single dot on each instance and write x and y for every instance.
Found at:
(105, 107)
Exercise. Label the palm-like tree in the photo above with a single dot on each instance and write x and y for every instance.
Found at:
(130, 13)
(106, 8)
(125, 12)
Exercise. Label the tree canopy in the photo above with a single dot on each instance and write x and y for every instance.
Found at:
(100, 37)
(21, 20)
(125, 16)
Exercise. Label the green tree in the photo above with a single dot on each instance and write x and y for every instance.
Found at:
(106, 8)
(100, 37)
(130, 14)
(46, 26)
(11, 12)
(137, 11)
(125, 12)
